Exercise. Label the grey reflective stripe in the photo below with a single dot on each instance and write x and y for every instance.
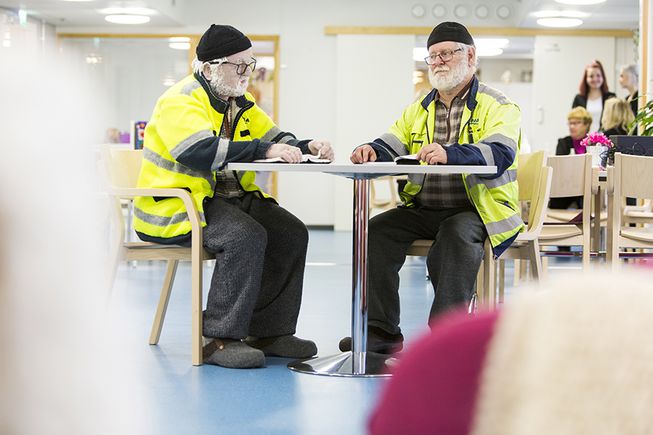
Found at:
(486, 150)
(508, 176)
(160, 162)
(504, 225)
(190, 87)
(163, 221)
(274, 132)
(505, 140)
(497, 95)
(189, 142)
(221, 154)
(397, 146)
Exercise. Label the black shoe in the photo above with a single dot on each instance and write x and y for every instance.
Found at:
(378, 341)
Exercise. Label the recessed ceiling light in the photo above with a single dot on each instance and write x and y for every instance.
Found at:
(179, 39)
(559, 22)
(128, 11)
(488, 51)
(491, 42)
(179, 45)
(565, 14)
(127, 19)
(580, 2)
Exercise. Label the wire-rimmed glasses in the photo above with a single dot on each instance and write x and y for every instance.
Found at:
(241, 67)
(445, 55)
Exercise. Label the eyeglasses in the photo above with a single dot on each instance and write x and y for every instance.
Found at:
(240, 67)
(446, 56)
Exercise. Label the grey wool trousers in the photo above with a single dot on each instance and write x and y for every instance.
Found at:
(260, 250)
(452, 262)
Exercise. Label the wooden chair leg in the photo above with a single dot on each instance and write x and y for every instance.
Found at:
(502, 279)
(161, 309)
(536, 263)
(517, 273)
(196, 305)
(479, 284)
(545, 265)
(489, 280)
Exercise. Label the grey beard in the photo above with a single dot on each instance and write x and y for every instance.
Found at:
(222, 89)
(453, 78)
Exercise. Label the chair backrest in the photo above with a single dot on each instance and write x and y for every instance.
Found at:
(632, 176)
(529, 170)
(540, 200)
(572, 176)
(123, 166)
(528, 173)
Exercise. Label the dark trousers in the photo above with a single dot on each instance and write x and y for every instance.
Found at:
(256, 286)
(452, 262)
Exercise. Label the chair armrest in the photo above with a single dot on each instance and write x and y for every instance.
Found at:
(184, 195)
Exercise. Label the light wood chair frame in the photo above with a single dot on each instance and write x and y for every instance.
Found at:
(629, 177)
(123, 166)
(572, 176)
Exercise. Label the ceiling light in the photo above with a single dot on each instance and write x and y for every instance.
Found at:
(580, 2)
(559, 22)
(488, 51)
(491, 42)
(168, 81)
(127, 19)
(565, 14)
(179, 39)
(128, 11)
(179, 45)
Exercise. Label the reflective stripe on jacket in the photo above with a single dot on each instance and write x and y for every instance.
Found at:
(182, 149)
(490, 134)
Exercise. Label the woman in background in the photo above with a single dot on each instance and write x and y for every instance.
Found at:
(628, 79)
(616, 117)
(579, 121)
(593, 92)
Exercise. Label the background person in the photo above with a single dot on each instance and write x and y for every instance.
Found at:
(629, 79)
(198, 126)
(459, 212)
(579, 121)
(617, 115)
(593, 92)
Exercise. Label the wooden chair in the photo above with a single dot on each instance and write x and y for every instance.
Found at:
(629, 177)
(378, 202)
(534, 181)
(572, 176)
(123, 167)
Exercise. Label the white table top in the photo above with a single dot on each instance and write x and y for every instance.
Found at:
(365, 170)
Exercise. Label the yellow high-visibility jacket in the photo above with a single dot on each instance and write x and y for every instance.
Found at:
(490, 134)
(183, 149)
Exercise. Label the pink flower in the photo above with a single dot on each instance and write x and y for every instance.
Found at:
(596, 138)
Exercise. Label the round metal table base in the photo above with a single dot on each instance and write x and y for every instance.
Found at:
(377, 365)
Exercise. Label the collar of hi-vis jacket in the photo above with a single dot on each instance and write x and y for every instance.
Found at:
(218, 103)
(471, 105)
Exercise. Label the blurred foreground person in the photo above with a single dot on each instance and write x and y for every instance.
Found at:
(199, 125)
(571, 361)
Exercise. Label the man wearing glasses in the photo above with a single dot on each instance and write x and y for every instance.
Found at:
(198, 126)
(460, 122)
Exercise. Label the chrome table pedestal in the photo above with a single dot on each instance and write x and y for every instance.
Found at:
(357, 362)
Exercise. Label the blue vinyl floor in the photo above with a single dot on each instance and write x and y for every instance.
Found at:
(181, 399)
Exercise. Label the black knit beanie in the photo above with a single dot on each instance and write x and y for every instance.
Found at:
(450, 31)
(221, 41)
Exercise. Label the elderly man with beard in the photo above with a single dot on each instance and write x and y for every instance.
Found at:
(460, 122)
(198, 126)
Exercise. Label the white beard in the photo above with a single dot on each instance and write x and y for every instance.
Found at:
(222, 89)
(450, 79)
